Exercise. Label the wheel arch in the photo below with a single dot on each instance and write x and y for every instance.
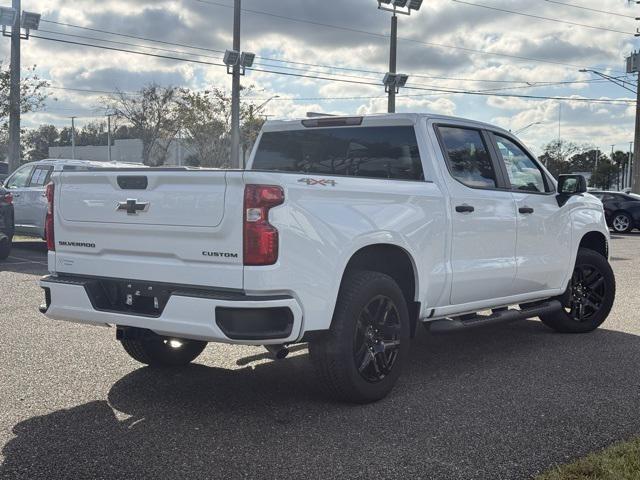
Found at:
(595, 241)
(395, 261)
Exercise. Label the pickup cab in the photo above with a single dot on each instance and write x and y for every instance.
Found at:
(343, 232)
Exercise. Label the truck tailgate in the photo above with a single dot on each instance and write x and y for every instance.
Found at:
(170, 226)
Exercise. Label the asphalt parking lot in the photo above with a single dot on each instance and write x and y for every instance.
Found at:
(505, 402)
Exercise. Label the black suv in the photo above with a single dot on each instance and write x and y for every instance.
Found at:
(6, 222)
(621, 209)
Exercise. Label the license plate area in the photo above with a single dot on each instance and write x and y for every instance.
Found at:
(139, 298)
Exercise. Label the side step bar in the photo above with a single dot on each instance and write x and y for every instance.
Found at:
(449, 325)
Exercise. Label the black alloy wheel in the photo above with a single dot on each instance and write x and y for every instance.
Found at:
(376, 340)
(589, 297)
(586, 294)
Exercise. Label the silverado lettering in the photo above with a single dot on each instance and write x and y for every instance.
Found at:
(64, 243)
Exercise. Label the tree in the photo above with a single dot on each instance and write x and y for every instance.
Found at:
(205, 119)
(32, 93)
(585, 161)
(204, 122)
(605, 174)
(154, 115)
(557, 154)
(38, 141)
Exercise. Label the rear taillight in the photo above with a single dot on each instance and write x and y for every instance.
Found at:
(7, 198)
(48, 224)
(260, 237)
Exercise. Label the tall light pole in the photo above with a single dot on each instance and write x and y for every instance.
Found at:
(14, 92)
(109, 135)
(73, 138)
(236, 63)
(17, 20)
(235, 89)
(633, 66)
(392, 80)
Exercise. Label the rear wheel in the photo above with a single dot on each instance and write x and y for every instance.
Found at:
(621, 223)
(589, 296)
(157, 351)
(360, 359)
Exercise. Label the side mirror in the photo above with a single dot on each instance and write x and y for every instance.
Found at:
(569, 185)
(572, 184)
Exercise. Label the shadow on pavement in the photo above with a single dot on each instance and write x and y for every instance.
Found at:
(29, 257)
(498, 403)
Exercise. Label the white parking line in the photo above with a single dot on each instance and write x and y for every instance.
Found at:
(26, 260)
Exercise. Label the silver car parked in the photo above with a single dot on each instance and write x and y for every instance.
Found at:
(27, 185)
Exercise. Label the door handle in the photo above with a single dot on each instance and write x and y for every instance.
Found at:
(465, 208)
(526, 210)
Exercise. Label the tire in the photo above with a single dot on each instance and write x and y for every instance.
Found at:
(589, 296)
(622, 222)
(361, 357)
(157, 351)
(5, 247)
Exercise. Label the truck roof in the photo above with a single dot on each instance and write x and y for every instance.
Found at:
(382, 119)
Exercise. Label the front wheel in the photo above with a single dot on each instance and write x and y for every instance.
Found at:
(5, 246)
(621, 223)
(360, 359)
(157, 351)
(589, 296)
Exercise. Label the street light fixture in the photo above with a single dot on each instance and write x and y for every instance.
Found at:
(517, 132)
(392, 80)
(30, 21)
(9, 20)
(7, 17)
(400, 6)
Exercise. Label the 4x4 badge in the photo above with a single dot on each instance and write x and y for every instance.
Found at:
(318, 181)
(132, 206)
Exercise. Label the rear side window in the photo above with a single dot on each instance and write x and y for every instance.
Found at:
(373, 152)
(468, 157)
(40, 176)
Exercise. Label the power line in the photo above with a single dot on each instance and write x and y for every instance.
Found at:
(332, 67)
(357, 82)
(528, 84)
(380, 35)
(539, 17)
(590, 9)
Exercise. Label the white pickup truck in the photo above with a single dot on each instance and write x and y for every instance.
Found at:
(342, 232)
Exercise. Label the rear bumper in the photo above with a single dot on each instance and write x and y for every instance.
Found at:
(210, 316)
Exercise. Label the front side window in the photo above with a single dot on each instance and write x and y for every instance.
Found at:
(374, 152)
(524, 174)
(20, 178)
(468, 157)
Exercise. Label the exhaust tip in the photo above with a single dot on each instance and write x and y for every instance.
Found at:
(278, 352)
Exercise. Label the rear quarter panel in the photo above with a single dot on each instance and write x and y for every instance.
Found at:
(322, 225)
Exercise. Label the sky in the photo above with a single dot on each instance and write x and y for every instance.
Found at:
(449, 45)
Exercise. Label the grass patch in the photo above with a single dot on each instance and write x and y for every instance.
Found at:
(618, 462)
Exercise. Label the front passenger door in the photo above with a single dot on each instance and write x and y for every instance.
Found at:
(543, 249)
(483, 218)
(17, 184)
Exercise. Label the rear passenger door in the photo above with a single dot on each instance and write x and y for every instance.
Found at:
(483, 217)
(543, 249)
(34, 199)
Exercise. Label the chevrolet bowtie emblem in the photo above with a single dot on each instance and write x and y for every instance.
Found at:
(132, 206)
